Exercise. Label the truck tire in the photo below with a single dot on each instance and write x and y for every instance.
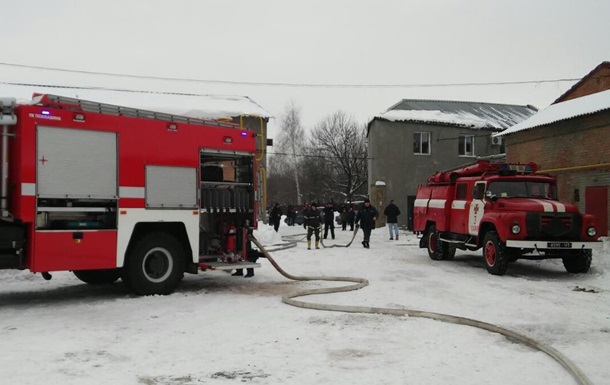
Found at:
(98, 277)
(434, 244)
(578, 262)
(155, 265)
(437, 249)
(448, 251)
(494, 254)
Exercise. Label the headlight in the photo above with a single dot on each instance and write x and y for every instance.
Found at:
(516, 229)
(591, 231)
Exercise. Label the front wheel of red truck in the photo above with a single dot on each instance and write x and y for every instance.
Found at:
(578, 261)
(494, 253)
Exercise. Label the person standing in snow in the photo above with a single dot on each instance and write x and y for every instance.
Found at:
(329, 220)
(392, 212)
(290, 215)
(252, 256)
(275, 216)
(344, 217)
(312, 221)
(351, 217)
(366, 217)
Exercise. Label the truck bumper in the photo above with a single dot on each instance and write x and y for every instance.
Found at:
(554, 245)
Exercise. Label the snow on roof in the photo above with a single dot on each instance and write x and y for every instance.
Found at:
(565, 110)
(475, 115)
(435, 116)
(194, 106)
(219, 106)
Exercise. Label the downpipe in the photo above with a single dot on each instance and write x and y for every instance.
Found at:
(359, 283)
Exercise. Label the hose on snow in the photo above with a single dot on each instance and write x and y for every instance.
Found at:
(359, 283)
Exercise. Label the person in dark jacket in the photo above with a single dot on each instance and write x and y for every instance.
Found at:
(366, 217)
(312, 221)
(290, 215)
(351, 217)
(275, 216)
(392, 212)
(344, 218)
(329, 220)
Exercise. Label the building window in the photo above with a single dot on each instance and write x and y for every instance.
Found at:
(421, 143)
(466, 145)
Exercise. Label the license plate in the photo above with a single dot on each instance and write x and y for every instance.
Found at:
(559, 245)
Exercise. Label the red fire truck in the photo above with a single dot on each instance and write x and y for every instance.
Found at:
(508, 210)
(111, 192)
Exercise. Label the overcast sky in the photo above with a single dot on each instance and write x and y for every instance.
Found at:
(395, 42)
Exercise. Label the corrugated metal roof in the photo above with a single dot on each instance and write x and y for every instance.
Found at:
(464, 114)
(572, 108)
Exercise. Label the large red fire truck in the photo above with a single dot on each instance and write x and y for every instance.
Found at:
(508, 210)
(111, 192)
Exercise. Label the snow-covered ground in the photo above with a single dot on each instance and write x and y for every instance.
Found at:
(220, 329)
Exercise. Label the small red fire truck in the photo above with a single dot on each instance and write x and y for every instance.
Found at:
(507, 210)
(111, 192)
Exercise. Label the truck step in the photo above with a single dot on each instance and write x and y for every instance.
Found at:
(228, 266)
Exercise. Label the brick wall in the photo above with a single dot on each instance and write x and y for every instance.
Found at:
(598, 80)
(575, 145)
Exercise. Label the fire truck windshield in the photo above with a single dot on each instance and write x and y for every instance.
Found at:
(523, 189)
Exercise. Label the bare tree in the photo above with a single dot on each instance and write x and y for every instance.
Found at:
(343, 142)
(291, 139)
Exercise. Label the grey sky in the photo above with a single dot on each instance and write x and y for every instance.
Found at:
(331, 42)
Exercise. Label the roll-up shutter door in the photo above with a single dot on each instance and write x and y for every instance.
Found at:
(76, 163)
(171, 187)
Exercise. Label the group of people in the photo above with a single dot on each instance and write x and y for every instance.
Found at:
(313, 219)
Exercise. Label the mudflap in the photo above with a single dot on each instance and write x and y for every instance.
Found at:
(423, 242)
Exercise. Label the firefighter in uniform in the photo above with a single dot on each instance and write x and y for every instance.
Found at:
(312, 220)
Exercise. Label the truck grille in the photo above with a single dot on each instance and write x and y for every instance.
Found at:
(553, 226)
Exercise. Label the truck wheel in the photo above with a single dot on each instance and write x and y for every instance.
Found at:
(448, 251)
(435, 246)
(438, 249)
(578, 262)
(98, 277)
(494, 253)
(155, 266)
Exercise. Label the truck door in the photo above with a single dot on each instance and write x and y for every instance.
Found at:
(459, 219)
(476, 207)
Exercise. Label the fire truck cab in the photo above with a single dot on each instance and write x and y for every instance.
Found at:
(508, 210)
(111, 192)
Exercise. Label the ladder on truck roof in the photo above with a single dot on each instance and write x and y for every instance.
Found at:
(111, 109)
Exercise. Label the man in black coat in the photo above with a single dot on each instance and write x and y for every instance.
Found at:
(329, 220)
(275, 216)
(366, 217)
(392, 212)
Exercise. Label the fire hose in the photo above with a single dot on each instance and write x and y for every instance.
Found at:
(359, 283)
